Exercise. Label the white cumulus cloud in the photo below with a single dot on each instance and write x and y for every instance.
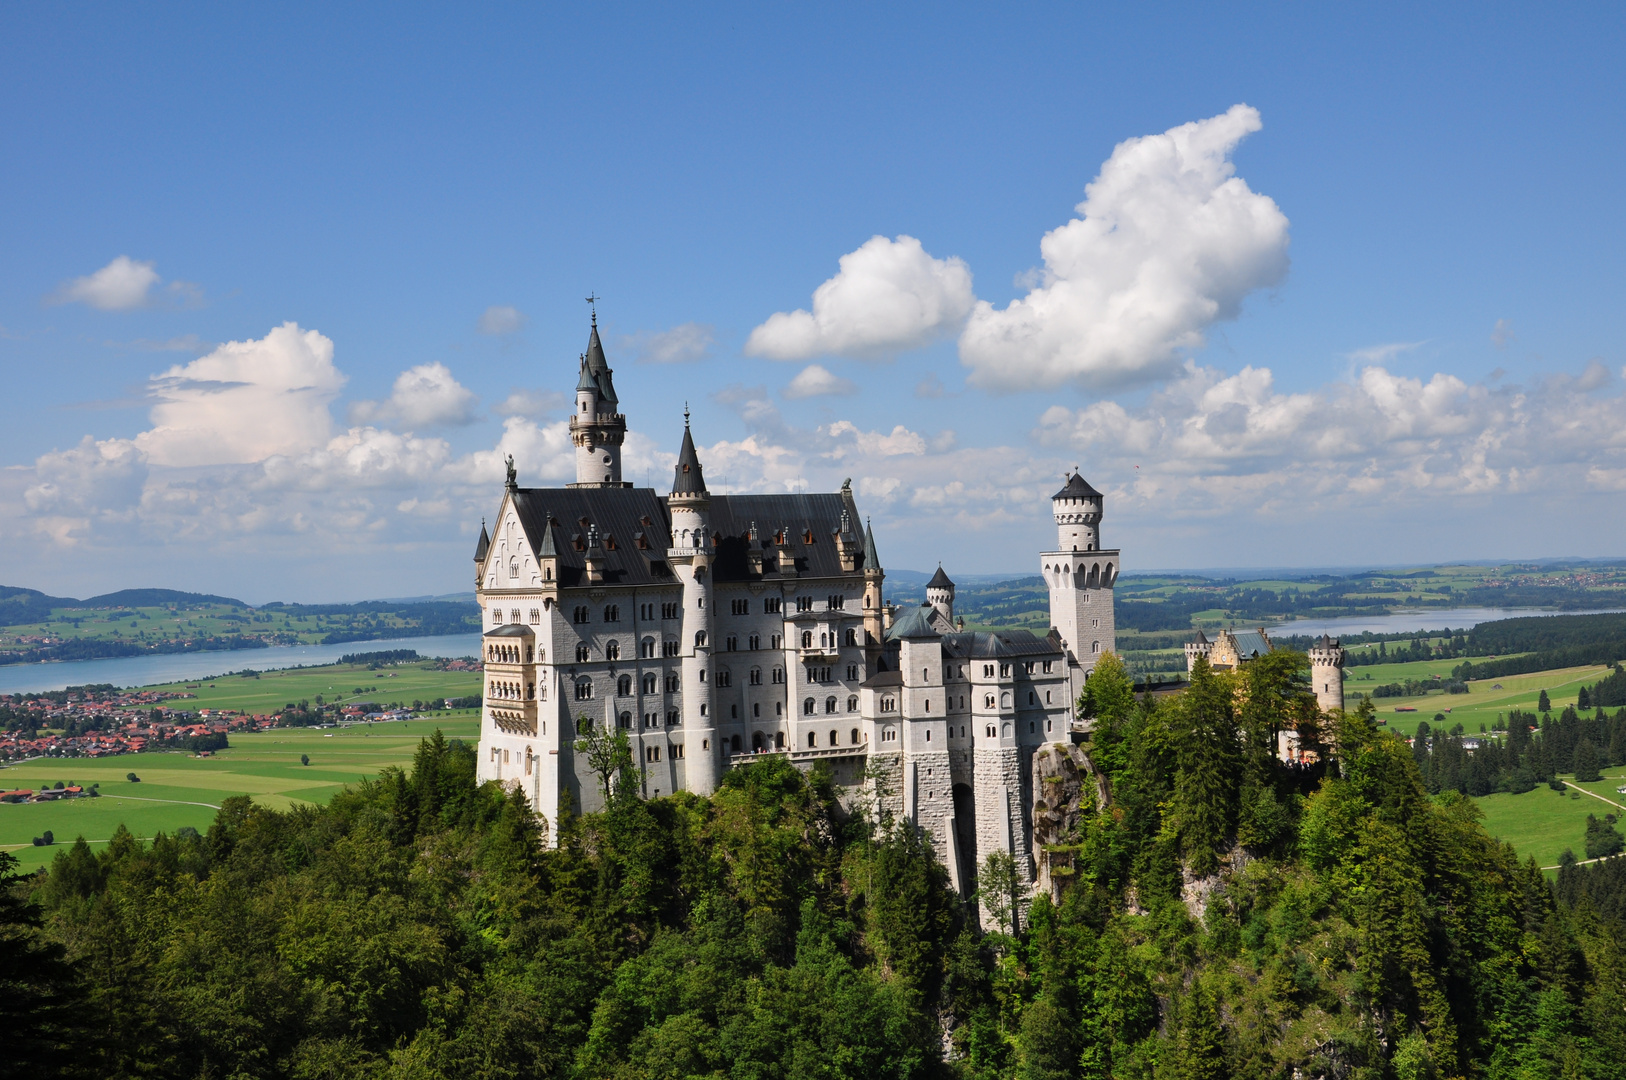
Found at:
(531, 402)
(890, 295)
(121, 285)
(499, 319)
(1169, 241)
(423, 396)
(245, 401)
(816, 380)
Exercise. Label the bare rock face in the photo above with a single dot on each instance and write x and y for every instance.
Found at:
(1066, 789)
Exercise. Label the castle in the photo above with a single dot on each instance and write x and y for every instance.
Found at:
(713, 628)
(1232, 651)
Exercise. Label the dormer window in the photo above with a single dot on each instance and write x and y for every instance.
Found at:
(609, 541)
(640, 541)
(577, 542)
(685, 466)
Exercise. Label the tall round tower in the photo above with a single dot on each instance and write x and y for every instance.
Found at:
(690, 557)
(596, 428)
(1327, 673)
(1081, 574)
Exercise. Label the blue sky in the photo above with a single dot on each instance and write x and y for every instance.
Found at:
(1398, 342)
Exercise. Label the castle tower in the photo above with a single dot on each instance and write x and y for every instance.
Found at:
(1201, 647)
(1327, 673)
(1080, 574)
(690, 557)
(596, 428)
(940, 594)
(874, 606)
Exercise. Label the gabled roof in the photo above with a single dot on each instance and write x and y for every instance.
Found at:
(1076, 488)
(940, 580)
(797, 516)
(483, 545)
(618, 514)
(687, 480)
(990, 644)
(1250, 643)
(913, 623)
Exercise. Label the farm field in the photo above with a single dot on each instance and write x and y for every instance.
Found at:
(185, 790)
(1480, 705)
(1542, 823)
(268, 691)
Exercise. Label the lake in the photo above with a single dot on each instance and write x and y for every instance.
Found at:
(1403, 622)
(190, 667)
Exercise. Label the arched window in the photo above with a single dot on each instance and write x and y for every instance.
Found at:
(725, 677)
(755, 677)
(612, 651)
(988, 701)
(1095, 646)
(852, 703)
(646, 648)
(1005, 700)
(808, 706)
(650, 683)
(829, 705)
(612, 613)
(812, 738)
(584, 689)
(530, 691)
(699, 639)
(852, 636)
(855, 736)
(623, 685)
(807, 639)
(582, 654)
(734, 743)
(626, 720)
(756, 741)
(513, 566)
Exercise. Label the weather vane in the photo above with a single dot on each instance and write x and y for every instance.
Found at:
(592, 300)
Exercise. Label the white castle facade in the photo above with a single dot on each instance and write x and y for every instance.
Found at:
(716, 628)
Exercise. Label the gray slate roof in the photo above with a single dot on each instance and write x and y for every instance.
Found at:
(1250, 643)
(620, 515)
(940, 580)
(1077, 488)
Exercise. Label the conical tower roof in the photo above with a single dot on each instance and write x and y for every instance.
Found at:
(1077, 488)
(940, 580)
(872, 561)
(597, 368)
(688, 479)
(483, 545)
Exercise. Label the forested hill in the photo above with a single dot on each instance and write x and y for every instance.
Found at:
(1226, 915)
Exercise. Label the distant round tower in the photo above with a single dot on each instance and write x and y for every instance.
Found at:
(940, 593)
(596, 428)
(1201, 647)
(1327, 673)
(690, 557)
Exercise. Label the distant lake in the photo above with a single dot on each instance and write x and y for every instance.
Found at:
(127, 671)
(1403, 622)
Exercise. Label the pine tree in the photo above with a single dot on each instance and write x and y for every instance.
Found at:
(1586, 762)
(1209, 769)
(1200, 1052)
(1544, 703)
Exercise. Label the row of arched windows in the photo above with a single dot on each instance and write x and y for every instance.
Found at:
(507, 654)
(813, 738)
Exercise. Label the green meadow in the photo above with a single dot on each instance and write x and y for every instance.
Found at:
(1542, 823)
(177, 789)
(268, 691)
(1485, 700)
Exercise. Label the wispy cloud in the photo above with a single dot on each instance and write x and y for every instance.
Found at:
(681, 344)
(126, 284)
(499, 320)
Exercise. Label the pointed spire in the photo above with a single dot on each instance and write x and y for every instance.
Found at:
(596, 367)
(688, 479)
(872, 561)
(483, 546)
(548, 550)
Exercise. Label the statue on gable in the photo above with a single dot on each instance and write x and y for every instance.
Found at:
(513, 476)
